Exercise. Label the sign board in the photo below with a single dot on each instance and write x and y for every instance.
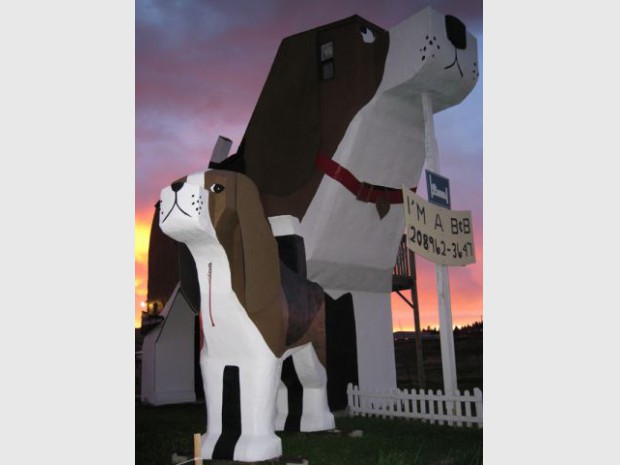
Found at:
(438, 189)
(440, 235)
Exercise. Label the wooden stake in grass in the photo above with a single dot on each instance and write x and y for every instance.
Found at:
(197, 449)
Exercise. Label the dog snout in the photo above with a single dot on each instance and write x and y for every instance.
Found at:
(457, 34)
(177, 186)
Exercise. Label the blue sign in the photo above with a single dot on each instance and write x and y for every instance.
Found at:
(438, 189)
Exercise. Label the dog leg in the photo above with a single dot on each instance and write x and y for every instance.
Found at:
(240, 397)
(259, 379)
(289, 401)
(213, 382)
(316, 414)
(302, 394)
(375, 342)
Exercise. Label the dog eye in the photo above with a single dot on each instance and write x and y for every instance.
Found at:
(217, 188)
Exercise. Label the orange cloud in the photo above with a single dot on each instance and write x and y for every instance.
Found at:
(142, 236)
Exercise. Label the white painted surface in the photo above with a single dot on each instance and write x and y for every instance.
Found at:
(313, 377)
(376, 364)
(434, 407)
(281, 406)
(284, 225)
(168, 355)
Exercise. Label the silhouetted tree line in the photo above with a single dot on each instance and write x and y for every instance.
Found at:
(473, 328)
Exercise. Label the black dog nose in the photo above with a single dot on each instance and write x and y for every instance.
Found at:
(177, 186)
(456, 31)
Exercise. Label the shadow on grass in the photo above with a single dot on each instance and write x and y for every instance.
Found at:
(163, 431)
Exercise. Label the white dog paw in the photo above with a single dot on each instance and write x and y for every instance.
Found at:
(256, 448)
(317, 421)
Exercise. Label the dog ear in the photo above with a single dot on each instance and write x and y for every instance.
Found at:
(252, 252)
(282, 137)
(225, 220)
(229, 235)
(244, 232)
(260, 250)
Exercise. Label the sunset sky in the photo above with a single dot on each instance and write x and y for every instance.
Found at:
(68, 144)
(200, 67)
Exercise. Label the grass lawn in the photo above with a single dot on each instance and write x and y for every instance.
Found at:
(162, 431)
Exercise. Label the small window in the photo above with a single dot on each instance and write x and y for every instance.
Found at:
(327, 60)
(327, 70)
(327, 51)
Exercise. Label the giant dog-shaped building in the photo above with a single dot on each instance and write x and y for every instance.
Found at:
(337, 130)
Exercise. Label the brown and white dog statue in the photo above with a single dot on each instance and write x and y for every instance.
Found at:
(245, 317)
(343, 122)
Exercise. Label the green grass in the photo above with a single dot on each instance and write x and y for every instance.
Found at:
(162, 431)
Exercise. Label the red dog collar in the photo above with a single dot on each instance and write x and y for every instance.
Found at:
(362, 191)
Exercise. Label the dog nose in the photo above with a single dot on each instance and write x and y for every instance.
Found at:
(177, 186)
(456, 31)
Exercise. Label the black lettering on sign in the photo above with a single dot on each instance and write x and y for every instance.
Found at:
(454, 225)
(420, 211)
(438, 222)
(466, 228)
(412, 237)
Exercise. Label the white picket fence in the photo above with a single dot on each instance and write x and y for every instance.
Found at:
(458, 410)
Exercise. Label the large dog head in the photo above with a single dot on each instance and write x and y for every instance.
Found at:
(220, 208)
(433, 53)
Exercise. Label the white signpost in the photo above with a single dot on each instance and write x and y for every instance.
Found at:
(463, 244)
